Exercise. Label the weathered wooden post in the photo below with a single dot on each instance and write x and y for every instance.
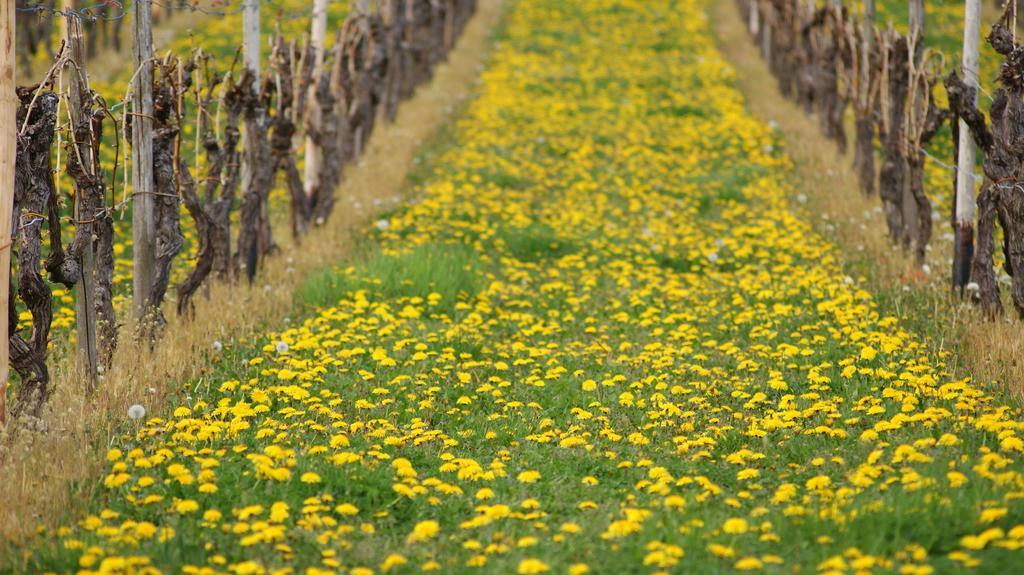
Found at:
(767, 19)
(916, 18)
(317, 38)
(8, 153)
(251, 61)
(911, 231)
(85, 289)
(1014, 17)
(963, 220)
(864, 149)
(867, 45)
(143, 204)
(251, 37)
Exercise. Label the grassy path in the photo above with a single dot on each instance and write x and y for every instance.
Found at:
(44, 473)
(601, 341)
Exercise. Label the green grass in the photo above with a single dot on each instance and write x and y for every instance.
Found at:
(532, 243)
(449, 270)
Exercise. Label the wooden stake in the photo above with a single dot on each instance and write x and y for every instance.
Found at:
(963, 220)
(251, 38)
(910, 232)
(916, 20)
(1013, 18)
(143, 205)
(251, 60)
(317, 37)
(85, 289)
(867, 46)
(8, 154)
(766, 32)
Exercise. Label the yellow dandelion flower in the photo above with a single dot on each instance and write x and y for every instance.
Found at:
(423, 531)
(532, 567)
(528, 476)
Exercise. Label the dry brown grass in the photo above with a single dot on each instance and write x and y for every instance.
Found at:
(45, 473)
(987, 351)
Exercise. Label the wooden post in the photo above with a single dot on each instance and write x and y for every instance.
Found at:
(867, 46)
(85, 289)
(8, 153)
(251, 38)
(251, 61)
(1013, 18)
(916, 20)
(963, 220)
(766, 32)
(317, 38)
(909, 204)
(143, 205)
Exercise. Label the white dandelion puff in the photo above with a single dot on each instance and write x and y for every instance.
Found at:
(136, 412)
(281, 347)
